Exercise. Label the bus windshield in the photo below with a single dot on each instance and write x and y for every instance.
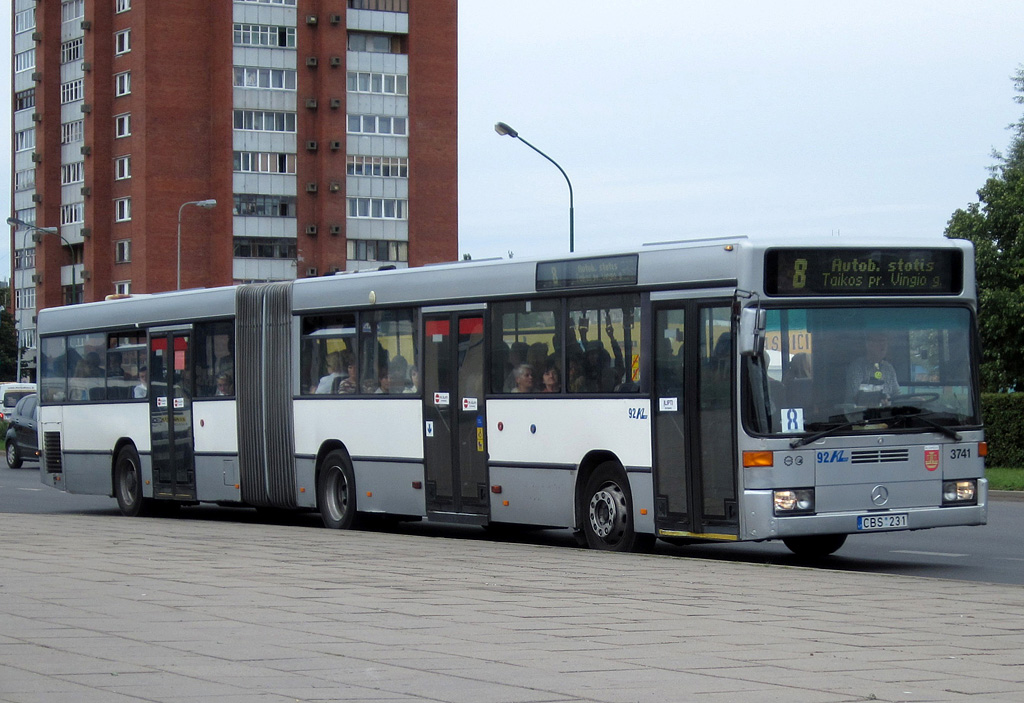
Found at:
(862, 370)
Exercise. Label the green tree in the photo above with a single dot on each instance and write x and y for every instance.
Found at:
(8, 339)
(995, 224)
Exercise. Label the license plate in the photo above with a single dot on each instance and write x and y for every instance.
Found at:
(882, 522)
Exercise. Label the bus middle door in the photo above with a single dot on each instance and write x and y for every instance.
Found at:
(455, 454)
(170, 410)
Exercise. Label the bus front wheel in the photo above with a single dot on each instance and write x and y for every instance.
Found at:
(336, 492)
(816, 546)
(608, 512)
(128, 482)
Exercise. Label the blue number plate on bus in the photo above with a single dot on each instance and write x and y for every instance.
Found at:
(882, 522)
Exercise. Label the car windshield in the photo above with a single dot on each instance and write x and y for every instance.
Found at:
(849, 370)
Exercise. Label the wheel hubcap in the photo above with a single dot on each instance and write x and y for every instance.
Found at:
(337, 494)
(608, 513)
(129, 483)
(11, 454)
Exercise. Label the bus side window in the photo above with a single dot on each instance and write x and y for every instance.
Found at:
(603, 344)
(213, 356)
(53, 365)
(327, 351)
(525, 333)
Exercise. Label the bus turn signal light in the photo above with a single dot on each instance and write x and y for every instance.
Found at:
(982, 448)
(758, 459)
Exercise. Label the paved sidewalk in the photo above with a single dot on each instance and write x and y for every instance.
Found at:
(110, 609)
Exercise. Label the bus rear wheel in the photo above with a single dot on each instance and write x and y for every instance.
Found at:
(816, 546)
(336, 492)
(128, 482)
(608, 512)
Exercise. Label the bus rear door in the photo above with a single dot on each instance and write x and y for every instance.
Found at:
(170, 409)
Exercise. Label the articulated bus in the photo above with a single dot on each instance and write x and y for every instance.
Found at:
(715, 389)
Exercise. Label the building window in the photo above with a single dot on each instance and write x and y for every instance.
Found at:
(72, 214)
(376, 43)
(26, 215)
(25, 20)
(25, 180)
(377, 250)
(122, 251)
(122, 5)
(382, 5)
(122, 42)
(377, 124)
(265, 121)
(122, 167)
(257, 205)
(25, 139)
(25, 259)
(71, 132)
(378, 83)
(72, 173)
(264, 162)
(25, 60)
(383, 166)
(275, 78)
(24, 99)
(378, 208)
(265, 248)
(122, 83)
(72, 10)
(264, 35)
(24, 298)
(71, 91)
(71, 50)
(123, 125)
(122, 287)
(122, 209)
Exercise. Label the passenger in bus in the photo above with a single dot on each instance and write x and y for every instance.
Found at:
(350, 382)
(225, 384)
(577, 374)
(799, 368)
(871, 379)
(551, 380)
(524, 379)
(537, 358)
(334, 372)
(414, 381)
(141, 390)
(516, 358)
(392, 376)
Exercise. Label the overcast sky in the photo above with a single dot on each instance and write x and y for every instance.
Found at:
(677, 119)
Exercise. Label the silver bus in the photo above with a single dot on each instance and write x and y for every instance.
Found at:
(713, 389)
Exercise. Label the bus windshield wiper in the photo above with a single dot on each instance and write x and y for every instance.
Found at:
(801, 441)
(907, 412)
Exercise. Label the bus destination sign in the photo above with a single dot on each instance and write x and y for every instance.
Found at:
(587, 273)
(863, 272)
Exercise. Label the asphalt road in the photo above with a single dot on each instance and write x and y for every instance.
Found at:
(991, 553)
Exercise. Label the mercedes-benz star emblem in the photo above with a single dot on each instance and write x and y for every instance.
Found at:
(879, 495)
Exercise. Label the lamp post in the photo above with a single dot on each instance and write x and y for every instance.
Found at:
(206, 205)
(505, 130)
(15, 222)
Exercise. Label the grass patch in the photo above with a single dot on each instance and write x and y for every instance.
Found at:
(1001, 479)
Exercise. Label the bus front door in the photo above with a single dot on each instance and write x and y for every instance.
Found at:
(694, 421)
(455, 454)
(170, 412)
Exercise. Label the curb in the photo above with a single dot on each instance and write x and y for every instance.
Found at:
(1007, 496)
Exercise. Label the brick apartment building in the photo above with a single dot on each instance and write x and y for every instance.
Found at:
(324, 129)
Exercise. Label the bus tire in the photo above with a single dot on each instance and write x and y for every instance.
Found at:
(608, 511)
(814, 546)
(13, 458)
(336, 492)
(128, 482)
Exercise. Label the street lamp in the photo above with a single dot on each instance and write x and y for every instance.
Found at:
(505, 130)
(15, 222)
(206, 205)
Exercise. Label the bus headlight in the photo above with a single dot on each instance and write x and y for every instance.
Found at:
(794, 501)
(959, 492)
